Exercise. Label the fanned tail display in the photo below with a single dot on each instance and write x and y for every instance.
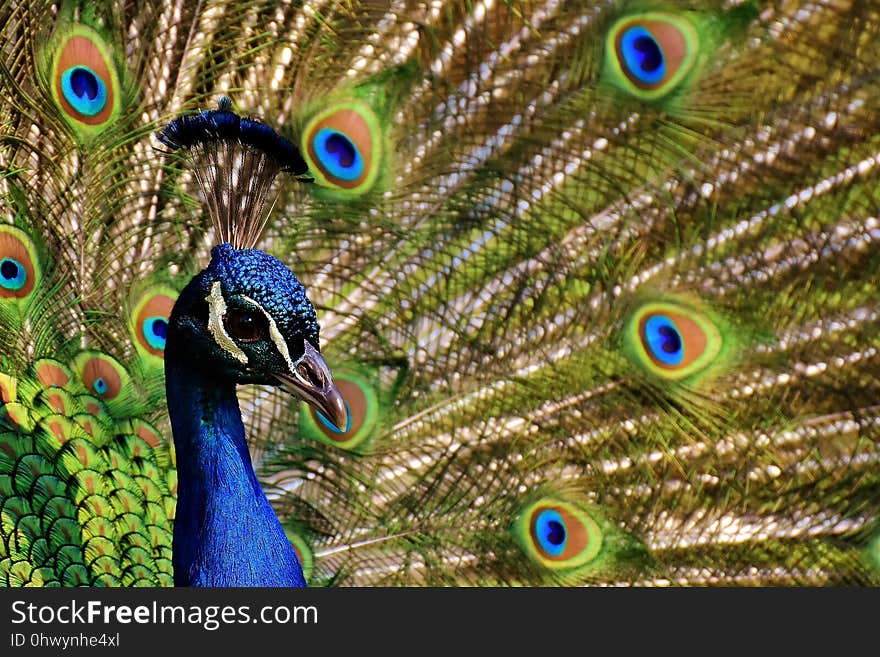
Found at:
(597, 284)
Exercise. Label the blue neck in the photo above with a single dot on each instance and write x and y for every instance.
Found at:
(225, 531)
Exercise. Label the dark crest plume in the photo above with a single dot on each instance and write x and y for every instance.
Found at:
(235, 161)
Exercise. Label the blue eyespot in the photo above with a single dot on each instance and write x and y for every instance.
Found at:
(332, 427)
(338, 154)
(13, 275)
(99, 385)
(550, 532)
(155, 330)
(642, 55)
(664, 340)
(84, 90)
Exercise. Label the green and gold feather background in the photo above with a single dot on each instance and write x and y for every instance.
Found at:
(598, 281)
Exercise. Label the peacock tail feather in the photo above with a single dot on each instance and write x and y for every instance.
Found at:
(597, 281)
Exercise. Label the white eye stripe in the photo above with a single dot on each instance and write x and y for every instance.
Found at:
(216, 313)
(275, 334)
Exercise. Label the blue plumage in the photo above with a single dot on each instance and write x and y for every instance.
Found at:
(244, 319)
(226, 532)
(267, 281)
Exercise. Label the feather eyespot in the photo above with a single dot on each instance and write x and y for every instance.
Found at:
(662, 340)
(85, 82)
(150, 320)
(559, 535)
(343, 148)
(101, 378)
(105, 378)
(19, 269)
(338, 155)
(650, 54)
(84, 90)
(13, 274)
(155, 331)
(550, 532)
(362, 405)
(673, 341)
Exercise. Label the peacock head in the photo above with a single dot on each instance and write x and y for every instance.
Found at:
(246, 319)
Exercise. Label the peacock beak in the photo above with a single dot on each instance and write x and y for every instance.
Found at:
(311, 381)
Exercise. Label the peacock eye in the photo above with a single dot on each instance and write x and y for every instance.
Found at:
(12, 274)
(19, 265)
(246, 325)
(673, 341)
(149, 319)
(550, 532)
(84, 90)
(343, 148)
(649, 54)
(559, 535)
(85, 82)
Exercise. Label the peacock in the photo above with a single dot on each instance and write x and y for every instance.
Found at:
(566, 293)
